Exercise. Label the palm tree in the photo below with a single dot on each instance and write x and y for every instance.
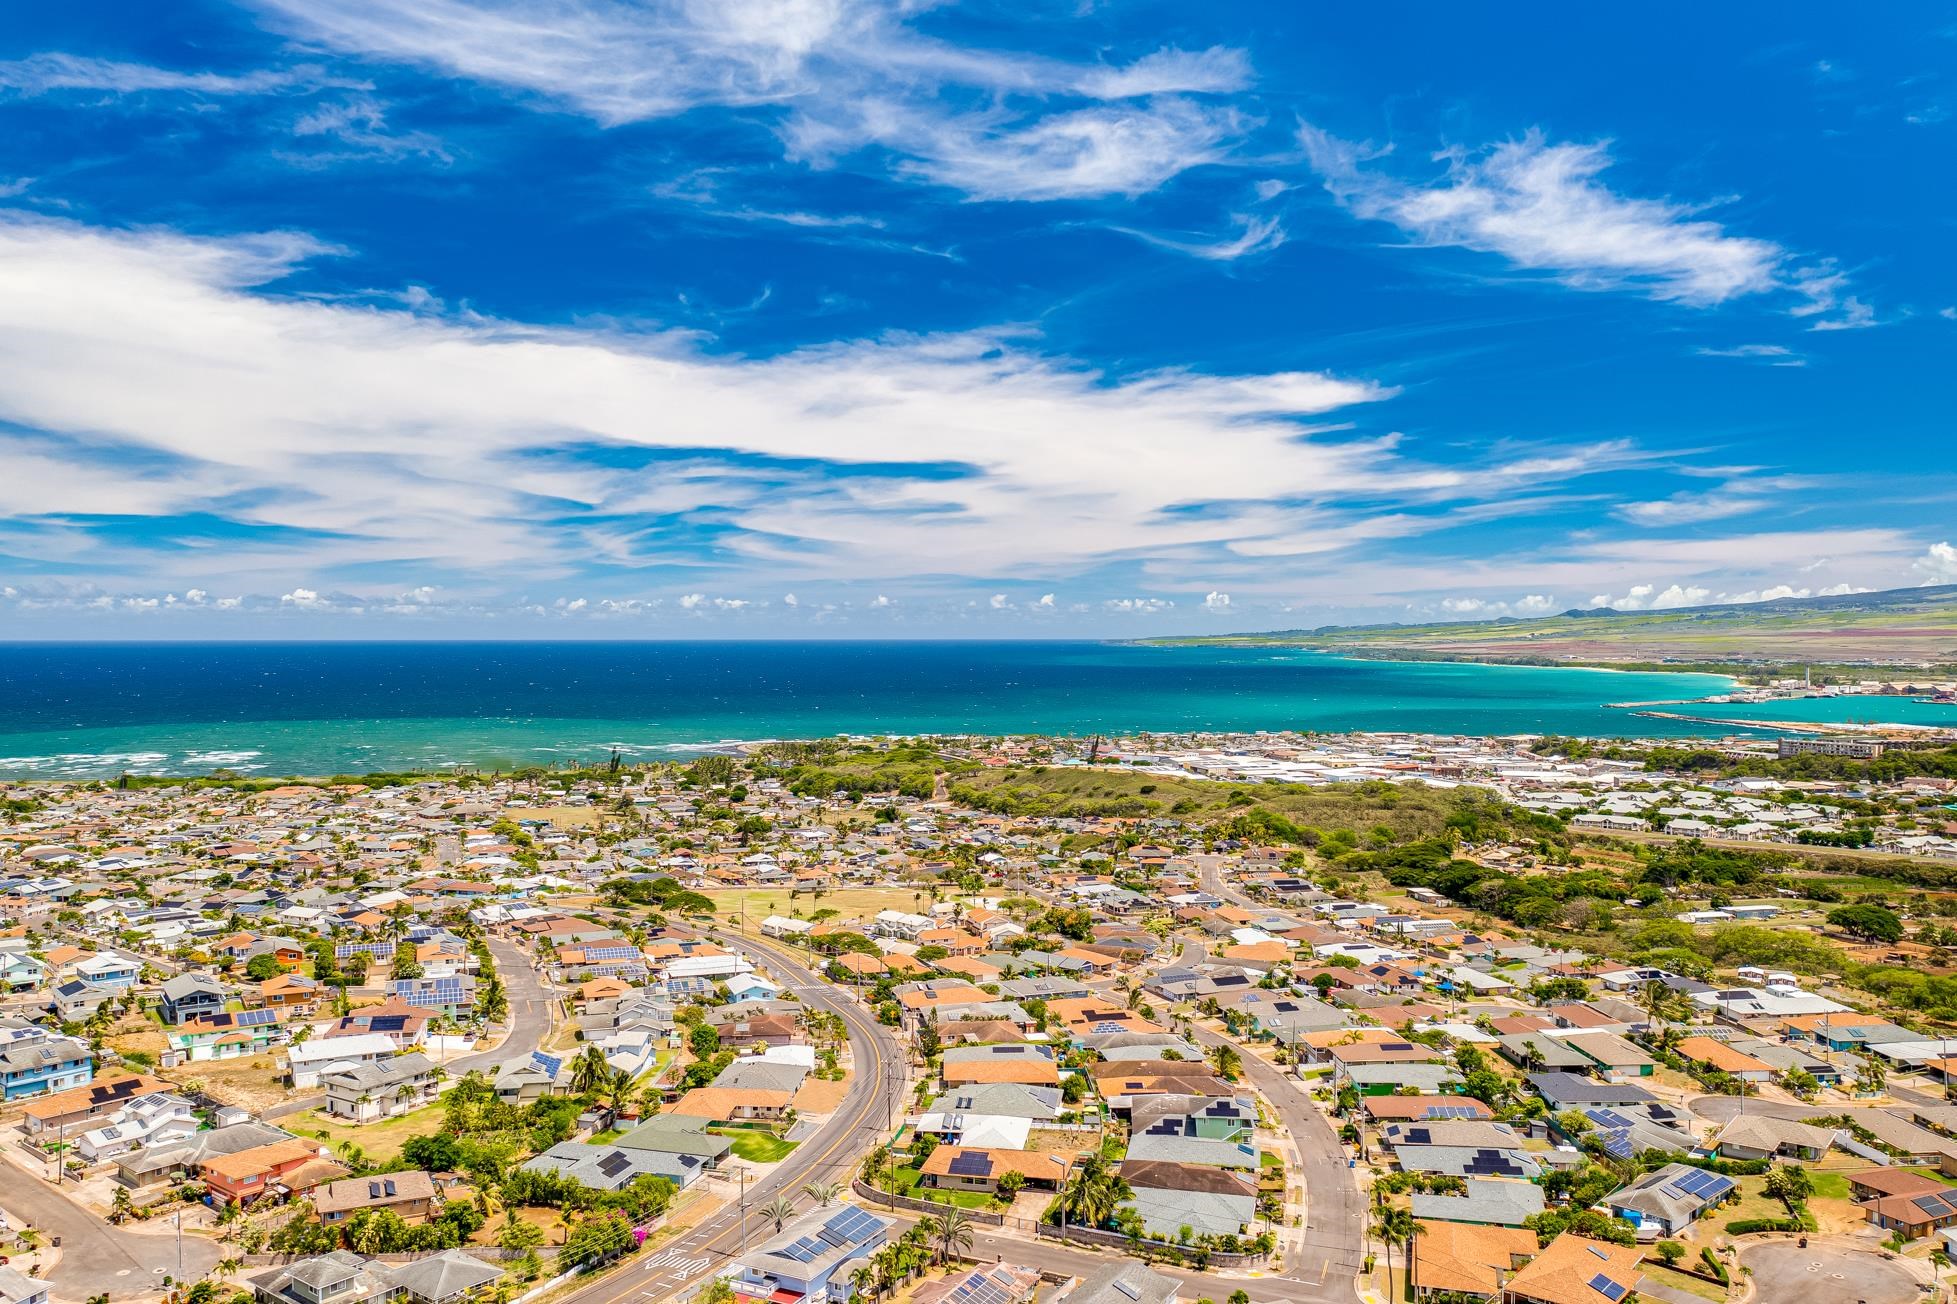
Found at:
(778, 1211)
(1227, 1062)
(823, 1193)
(121, 1206)
(1094, 1194)
(1656, 998)
(1393, 1227)
(952, 1230)
(590, 1071)
(860, 1282)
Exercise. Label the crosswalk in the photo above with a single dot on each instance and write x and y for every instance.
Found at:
(677, 1265)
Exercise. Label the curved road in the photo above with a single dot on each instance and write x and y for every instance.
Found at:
(530, 1009)
(858, 1125)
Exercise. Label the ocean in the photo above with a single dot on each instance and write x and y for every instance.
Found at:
(77, 711)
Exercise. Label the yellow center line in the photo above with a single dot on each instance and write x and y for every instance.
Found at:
(869, 1102)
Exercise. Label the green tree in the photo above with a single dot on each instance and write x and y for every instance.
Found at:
(1875, 923)
(951, 1232)
(261, 968)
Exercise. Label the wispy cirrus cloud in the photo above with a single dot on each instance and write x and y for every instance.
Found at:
(44, 74)
(844, 76)
(1544, 207)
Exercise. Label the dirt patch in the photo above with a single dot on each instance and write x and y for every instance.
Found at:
(252, 1084)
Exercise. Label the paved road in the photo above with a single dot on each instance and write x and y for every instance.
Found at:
(530, 1010)
(858, 1125)
(1831, 1271)
(97, 1258)
(1331, 1254)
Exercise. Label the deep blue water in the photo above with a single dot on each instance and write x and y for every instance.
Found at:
(89, 710)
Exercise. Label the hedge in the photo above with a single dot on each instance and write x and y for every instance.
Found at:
(1714, 1266)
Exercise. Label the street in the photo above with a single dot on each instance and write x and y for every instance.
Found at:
(860, 1123)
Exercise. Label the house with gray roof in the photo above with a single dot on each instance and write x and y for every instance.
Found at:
(1206, 1151)
(1208, 1201)
(677, 1134)
(1124, 1283)
(613, 1167)
(442, 1278)
(1491, 1202)
(1671, 1198)
(1469, 1161)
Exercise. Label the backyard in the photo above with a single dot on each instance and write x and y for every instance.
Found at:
(380, 1141)
(756, 1147)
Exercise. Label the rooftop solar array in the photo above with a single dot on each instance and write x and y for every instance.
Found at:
(853, 1225)
(551, 1064)
(609, 952)
(1452, 1111)
(1609, 1289)
(379, 950)
(1493, 1162)
(1701, 1185)
(981, 1288)
(971, 1164)
(614, 1163)
(1935, 1205)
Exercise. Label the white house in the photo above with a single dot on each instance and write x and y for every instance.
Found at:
(309, 1061)
(153, 1120)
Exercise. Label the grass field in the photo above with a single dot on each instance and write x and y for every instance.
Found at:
(907, 1178)
(756, 1147)
(852, 902)
(382, 1140)
(563, 817)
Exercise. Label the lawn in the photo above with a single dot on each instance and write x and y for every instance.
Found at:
(756, 1147)
(381, 1140)
(907, 1179)
(851, 902)
(1706, 1290)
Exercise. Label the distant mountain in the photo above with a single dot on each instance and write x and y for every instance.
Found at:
(1897, 627)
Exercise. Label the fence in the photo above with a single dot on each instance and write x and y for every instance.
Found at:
(871, 1193)
(1120, 1241)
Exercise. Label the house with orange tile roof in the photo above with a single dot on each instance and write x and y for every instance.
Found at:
(1470, 1259)
(1720, 1056)
(1565, 1273)
(289, 1167)
(287, 991)
(728, 1104)
(979, 1168)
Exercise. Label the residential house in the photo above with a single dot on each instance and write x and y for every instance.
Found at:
(36, 1062)
(381, 1088)
(1756, 1136)
(809, 1260)
(408, 1194)
(1576, 1270)
(1671, 1198)
(288, 1167)
(1456, 1258)
(1170, 1196)
(190, 995)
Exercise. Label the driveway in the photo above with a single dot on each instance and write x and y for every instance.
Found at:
(97, 1258)
(1830, 1273)
(1724, 1109)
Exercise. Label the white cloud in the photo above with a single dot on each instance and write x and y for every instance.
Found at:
(1046, 601)
(1214, 601)
(301, 598)
(1103, 149)
(881, 601)
(1543, 208)
(850, 73)
(1171, 71)
(358, 124)
(1773, 355)
(1688, 508)
(790, 600)
(1647, 597)
(1841, 590)
(1138, 606)
(1938, 565)
(43, 74)
(1534, 604)
(1258, 235)
(999, 602)
(436, 423)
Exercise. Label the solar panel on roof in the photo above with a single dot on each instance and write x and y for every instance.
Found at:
(1122, 1285)
(1609, 1289)
(614, 1163)
(551, 1064)
(796, 1251)
(970, 1165)
(831, 1236)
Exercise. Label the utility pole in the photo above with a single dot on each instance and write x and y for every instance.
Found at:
(179, 1244)
(743, 1213)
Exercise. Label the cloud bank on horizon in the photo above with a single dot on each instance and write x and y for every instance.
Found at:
(776, 317)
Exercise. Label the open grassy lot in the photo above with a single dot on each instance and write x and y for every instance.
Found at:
(852, 902)
(756, 1147)
(562, 817)
(381, 1140)
(1663, 1276)
(907, 1178)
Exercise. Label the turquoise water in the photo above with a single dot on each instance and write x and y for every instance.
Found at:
(83, 711)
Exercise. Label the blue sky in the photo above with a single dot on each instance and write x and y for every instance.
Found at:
(815, 317)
